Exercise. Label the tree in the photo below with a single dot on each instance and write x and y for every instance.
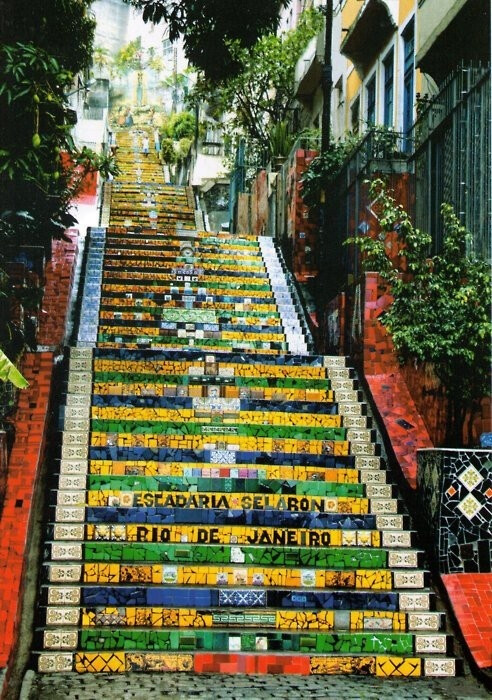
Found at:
(181, 125)
(129, 57)
(101, 59)
(261, 95)
(10, 373)
(440, 313)
(212, 29)
(36, 131)
(42, 46)
(63, 28)
(168, 152)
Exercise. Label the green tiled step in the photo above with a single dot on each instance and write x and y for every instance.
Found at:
(180, 301)
(332, 558)
(225, 485)
(225, 284)
(190, 428)
(125, 237)
(197, 379)
(385, 643)
(246, 317)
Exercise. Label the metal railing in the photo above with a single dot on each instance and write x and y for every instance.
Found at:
(380, 150)
(452, 156)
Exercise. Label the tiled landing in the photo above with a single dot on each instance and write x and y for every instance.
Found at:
(471, 598)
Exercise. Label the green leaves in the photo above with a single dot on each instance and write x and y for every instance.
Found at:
(324, 168)
(10, 373)
(211, 28)
(63, 28)
(261, 92)
(440, 312)
(181, 125)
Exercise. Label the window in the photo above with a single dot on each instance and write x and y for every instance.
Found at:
(388, 88)
(408, 78)
(167, 49)
(371, 101)
(354, 115)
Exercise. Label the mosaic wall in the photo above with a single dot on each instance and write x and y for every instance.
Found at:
(455, 501)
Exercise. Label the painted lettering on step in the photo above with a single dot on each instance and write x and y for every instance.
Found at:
(153, 499)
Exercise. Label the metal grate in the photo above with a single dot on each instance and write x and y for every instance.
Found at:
(453, 156)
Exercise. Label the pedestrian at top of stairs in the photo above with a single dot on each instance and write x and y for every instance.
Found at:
(145, 145)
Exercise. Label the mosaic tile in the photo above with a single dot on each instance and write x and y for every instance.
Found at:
(221, 504)
(439, 667)
(55, 663)
(63, 596)
(62, 616)
(60, 639)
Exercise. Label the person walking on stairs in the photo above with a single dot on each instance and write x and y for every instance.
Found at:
(145, 145)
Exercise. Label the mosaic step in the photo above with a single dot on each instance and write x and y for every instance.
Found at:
(219, 502)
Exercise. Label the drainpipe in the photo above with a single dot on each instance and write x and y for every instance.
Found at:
(328, 265)
(327, 79)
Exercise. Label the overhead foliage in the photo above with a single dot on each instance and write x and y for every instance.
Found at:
(211, 29)
(440, 312)
(36, 131)
(43, 45)
(63, 28)
(261, 95)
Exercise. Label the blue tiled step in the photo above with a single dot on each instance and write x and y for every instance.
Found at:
(243, 598)
(175, 402)
(229, 517)
(201, 356)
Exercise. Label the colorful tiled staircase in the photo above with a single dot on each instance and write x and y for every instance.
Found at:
(220, 504)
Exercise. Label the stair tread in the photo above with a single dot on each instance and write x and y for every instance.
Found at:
(219, 489)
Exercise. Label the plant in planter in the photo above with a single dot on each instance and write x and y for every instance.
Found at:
(323, 169)
(384, 143)
(440, 312)
(281, 141)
